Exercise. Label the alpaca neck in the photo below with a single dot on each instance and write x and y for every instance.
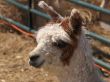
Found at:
(81, 68)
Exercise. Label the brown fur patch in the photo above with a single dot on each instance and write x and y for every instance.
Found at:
(71, 25)
(65, 25)
(68, 52)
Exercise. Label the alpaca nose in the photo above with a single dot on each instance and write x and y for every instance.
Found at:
(36, 60)
(34, 57)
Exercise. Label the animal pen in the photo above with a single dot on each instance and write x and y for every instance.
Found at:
(29, 30)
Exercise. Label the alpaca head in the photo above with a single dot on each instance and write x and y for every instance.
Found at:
(59, 38)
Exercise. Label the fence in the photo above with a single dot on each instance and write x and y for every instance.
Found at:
(39, 13)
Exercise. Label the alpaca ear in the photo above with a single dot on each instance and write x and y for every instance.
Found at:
(75, 21)
(54, 15)
(72, 25)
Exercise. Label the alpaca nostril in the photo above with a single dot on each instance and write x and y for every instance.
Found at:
(34, 58)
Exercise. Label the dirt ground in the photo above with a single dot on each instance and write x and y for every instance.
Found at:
(14, 67)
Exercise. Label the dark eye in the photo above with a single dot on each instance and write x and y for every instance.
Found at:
(60, 44)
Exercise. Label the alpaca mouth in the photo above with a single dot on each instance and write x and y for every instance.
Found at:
(36, 64)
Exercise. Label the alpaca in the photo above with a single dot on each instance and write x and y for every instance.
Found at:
(62, 41)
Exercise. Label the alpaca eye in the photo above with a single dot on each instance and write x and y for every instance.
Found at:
(60, 44)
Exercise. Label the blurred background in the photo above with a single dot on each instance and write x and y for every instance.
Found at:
(16, 35)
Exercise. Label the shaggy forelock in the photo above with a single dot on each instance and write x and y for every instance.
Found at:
(54, 31)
